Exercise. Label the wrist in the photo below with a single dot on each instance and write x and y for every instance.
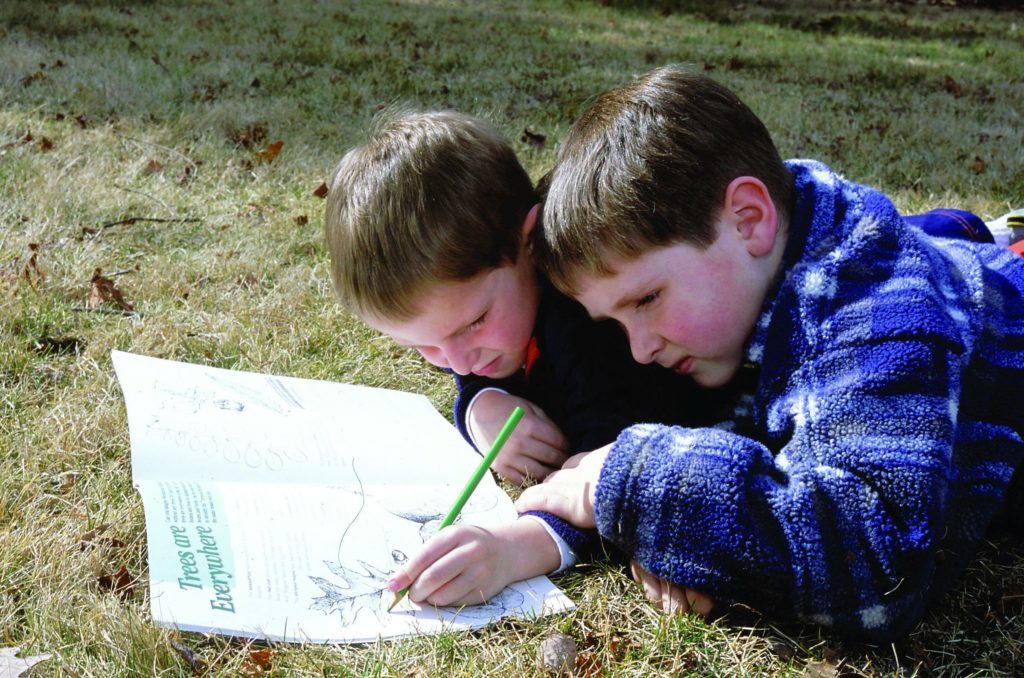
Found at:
(529, 550)
(471, 427)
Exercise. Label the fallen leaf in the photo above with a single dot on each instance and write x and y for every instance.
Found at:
(120, 582)
(104, 290)
(12, 666)
(952, 86)
(195, 662)
(533, 139)
(321, 190)
(45, 144)
(95, 537)
(251, 136)
(82, 121)
(735, 64)
(979, 165)
(35, 77)
(187, 174)
(66, 481)
(270, 152)
(152, 167)
(257, 663)
(587, 665)
(301, 220)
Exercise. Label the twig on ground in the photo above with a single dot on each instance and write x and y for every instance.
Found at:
(145, 195)
(129, 221)
(107, 311)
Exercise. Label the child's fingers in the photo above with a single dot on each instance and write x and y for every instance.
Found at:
(454, 578)
(549, 432)
(433, 550)
(566, 499)
(700, 603)
(540, 431)
(673, 599)
(517, 467)
(518, 470)
(461, 590)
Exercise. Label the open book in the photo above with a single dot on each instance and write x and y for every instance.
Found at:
(278, 507)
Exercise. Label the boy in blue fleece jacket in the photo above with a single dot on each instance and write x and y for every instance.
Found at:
(885, 430)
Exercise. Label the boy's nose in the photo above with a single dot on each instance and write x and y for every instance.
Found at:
(459, 360)
(644, 347)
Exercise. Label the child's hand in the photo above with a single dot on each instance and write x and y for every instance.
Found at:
(667, 596)
(569, 493)
(467, 565)
(535, 449)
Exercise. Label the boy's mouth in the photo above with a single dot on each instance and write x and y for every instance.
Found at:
(684, 366)
(489, 368)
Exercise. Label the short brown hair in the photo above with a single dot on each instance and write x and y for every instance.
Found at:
(430, 197)
(647, 165)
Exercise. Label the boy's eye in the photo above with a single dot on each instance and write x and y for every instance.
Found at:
(646, 299)
(477, 323)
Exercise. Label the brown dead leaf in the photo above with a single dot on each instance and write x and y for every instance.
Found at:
(301, 220)
(321, 190)
(268, 154)
(533, 139)
(735, 64)
(121, 582)
(257, 663)
(103, 290)
(66, 481)
(82, 121)
(952, 86)
(15, 270)
(152, 167)
(188, 174)
(95, 538)
(251, 136)
(588, 665)
(45, 144)
(979, 165)
(38, 76)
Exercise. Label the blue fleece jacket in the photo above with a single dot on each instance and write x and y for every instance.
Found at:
(885, 428)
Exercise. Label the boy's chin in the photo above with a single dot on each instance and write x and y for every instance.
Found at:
(713, 376)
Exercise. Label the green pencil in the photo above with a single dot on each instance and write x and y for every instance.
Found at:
(474, 480)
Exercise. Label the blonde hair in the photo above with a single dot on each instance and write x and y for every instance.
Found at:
(430, 197)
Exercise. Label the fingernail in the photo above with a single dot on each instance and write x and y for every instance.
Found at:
(393, 585)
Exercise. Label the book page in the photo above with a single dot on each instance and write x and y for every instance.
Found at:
(299, 551)
(208, 423)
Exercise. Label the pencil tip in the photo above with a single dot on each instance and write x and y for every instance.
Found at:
(398, 597)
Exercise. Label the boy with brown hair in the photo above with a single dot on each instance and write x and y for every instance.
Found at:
(883, 436)
(428, 225)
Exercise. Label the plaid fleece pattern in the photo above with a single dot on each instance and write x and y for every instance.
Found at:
(887, 425)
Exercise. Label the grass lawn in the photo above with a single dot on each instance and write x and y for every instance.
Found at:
(134, 143)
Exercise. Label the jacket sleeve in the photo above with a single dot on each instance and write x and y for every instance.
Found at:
(835, 518)
(466, 388)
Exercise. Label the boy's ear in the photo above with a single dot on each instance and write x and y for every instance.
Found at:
(528, 224)
(750, 209)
